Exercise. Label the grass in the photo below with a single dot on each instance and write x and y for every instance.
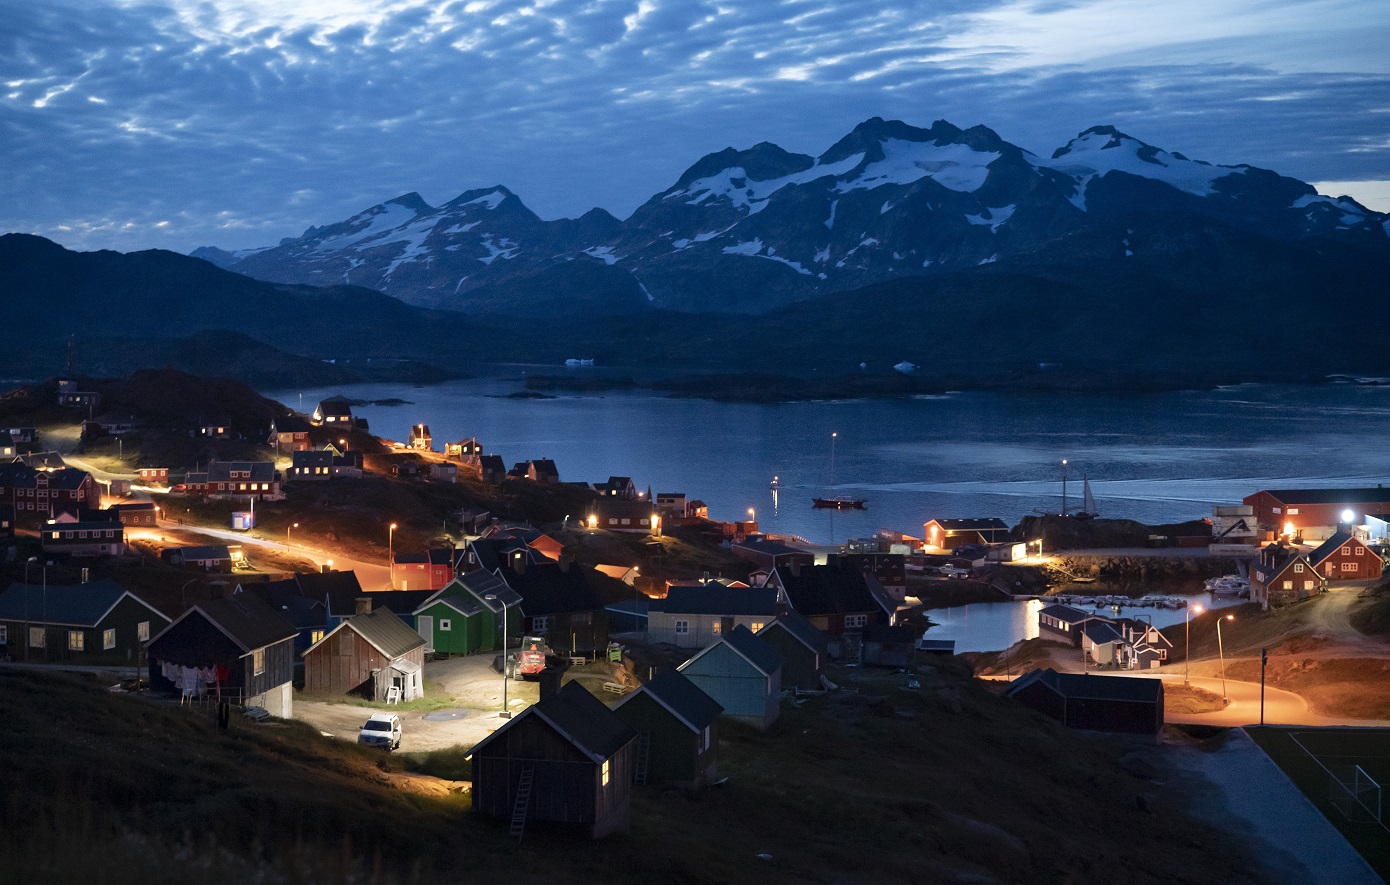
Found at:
(872, 783)
(1370, 748)
(1178, 698)
(1372, 616)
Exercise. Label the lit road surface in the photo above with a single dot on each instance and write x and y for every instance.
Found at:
(371, 575)
(1281, 707)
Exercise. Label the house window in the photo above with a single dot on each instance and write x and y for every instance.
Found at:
(258, 662)
(38, 637)
(1360, 551)
(1278, 510)
(626, 521)
(1293, 511)
(142, 631)
(1307, 585)
(682, 628)
(77, 640)
(108, 639)
(756, 626)
(540, 625)
(4, 634)
(704, 740)
(1288, 585)
(607, 774)
(716, 627)
(855, 621)
(1351, 566)
(315, 637)
(1298, 567)
(1346, 551)
(446, 624)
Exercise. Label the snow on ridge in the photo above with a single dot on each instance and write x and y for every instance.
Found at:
(492, 200)
(461, 228)
(1350, 209)
(603, 253)
(1091, 156)
(379, 221)
(997, 216)
(503, 248)
(734, 184)
(957, 167)
(754, 248)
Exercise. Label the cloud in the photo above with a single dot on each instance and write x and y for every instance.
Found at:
(237, 122)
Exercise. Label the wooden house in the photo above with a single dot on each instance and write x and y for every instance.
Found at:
(455, 623)
(1062, 623)
(372, 654)
(693, 617)
(420, 438)
(310, 465)
(743, 674)
(469, 450)
(136, 513)
(308, 616)
(1281, 575)
(1345, 557)
(209, 558)
(422, 569)
(336, 411)
(238, 647)
(543, 470)
(567, 760)
(289, 433)
(444, 473)
(836, 599)
(40, 494)
(767, 555)
(564, 602)
(671, 504)
(154, 476)
(948, 534)
(677, 728)
(88, 537)
(491, 468)
(240, 479)
(621, 487)
(99, 622)
(1130, 705)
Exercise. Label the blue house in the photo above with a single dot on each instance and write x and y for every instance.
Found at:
(743, 674)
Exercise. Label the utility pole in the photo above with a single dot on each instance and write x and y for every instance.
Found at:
(1264, 659)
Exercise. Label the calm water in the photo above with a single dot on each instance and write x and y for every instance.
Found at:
(992, 626)
(1150, 457)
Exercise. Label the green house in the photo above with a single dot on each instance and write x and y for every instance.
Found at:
(466, 615)
(95, 623)
(677, 730)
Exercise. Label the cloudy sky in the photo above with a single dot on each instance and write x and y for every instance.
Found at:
(132, 124)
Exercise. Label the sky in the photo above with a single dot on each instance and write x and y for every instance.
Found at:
(134, 124)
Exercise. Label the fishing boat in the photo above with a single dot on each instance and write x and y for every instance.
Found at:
(1228, 585)
(839, 502)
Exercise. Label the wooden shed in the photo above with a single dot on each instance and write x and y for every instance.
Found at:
(803, 650)
(373, 654)
(567, 760)
(1131, 705)
(237, 647)
(677, 728)
(455, 623)
(743, 674)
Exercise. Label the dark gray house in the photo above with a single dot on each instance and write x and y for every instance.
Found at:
(1132, 705)
(677, 730)
(803, 650)
(95, 623)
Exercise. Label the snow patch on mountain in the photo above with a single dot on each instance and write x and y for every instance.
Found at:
(1098, 152)
(603, 253)
(376, 222)
(957, 167)
(754, 249)
(490, 200)
(734, 185)
(503, 248)
(992, 217)
(461, 228)
(830, 222)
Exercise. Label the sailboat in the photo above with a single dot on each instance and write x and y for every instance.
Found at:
(839, 502)
(1088, 502)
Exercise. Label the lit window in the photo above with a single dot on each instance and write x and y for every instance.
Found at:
(756, 626)
(1293, 511)
(258, 662)
(715, 627)
(606, 773)
(1288, 585)
(108, 639)
(315, 636)
(1307, 585)
(77, 640)
(142, 630)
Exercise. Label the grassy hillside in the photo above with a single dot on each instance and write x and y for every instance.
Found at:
(875, 783)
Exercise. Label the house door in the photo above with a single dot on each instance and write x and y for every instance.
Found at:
(726, 626)
(424, 625)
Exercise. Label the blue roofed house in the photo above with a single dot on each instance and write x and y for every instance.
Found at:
(692, 617)
(743, 674)
(99, 622)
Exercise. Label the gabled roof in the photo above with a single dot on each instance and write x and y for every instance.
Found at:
(772, 548)
(260, 471)
(482, 584)
(335, 405)
(457, 599)
(761, 656)
(543, 467)
(1091, 686)
(682, 698)
(245, 619)
(1330, 546)
(75, 605)
(290, 424)
(312, 458)
(212, 551)
(548, 589)
(800, 630)
(382, 629)
(829, 590)
(47, 460)
(1067, 613)
(579, 718)
(988, 524)
(1273, 561)
(402, 602)
(67, 478)
(337, 590)
(1101, 632)
(1330, 496)
(285, 597)
(715, 599)
(492, 463)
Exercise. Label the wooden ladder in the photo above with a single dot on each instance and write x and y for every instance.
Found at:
(644, 753)
(523, 801)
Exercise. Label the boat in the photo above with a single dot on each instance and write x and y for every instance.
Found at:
(839, 502)
(1228, 585)
(1088, 502)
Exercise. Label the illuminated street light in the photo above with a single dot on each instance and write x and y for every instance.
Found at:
(1222, 652)
(1348, 516)
(293, 525)
(1187, 655)
(492, 597)
(391, 555)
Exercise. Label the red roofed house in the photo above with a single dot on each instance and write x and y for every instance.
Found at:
(1314, 514)
(1345, 557)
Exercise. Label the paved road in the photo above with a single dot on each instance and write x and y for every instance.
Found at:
(371, 575)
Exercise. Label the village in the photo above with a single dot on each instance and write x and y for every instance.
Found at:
(583, 641)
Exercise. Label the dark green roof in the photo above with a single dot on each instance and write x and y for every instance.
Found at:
(77, 605)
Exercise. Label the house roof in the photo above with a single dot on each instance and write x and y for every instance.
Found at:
(1100, 632)
(543, 467)
(579, 718)
(772, 548)
(291, 424)
(337, 590)
(829, 590)
(285, 597)
(492, 463)
(49, 460)
(67, 478)
(800, 629)
(1330, 496)
(1274, 560)
(312, 458)
(1330, 546)
(246, 619)
(77, 605)
(715, 599)
(987, 524)
(1092, 686)
(402, 602)
(548, 589)
(260, 471)
(456, 598)
(1066, 613)
(682, 698)
(84, 525)
(335, 405)
(764, 658)
(386, 632)
(132, 507)
(212, 551)
(482, 584)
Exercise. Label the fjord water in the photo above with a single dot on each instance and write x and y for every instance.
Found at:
(1153, 457)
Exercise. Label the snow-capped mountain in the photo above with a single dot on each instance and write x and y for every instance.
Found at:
(749, 231)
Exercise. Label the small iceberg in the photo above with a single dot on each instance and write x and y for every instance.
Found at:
(905, 367)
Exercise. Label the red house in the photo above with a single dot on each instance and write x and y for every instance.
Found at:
(427, 570)
(1345, 557)
(1282, 575)
(1314, 513)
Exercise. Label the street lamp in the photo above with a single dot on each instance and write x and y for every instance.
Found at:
(752, 517)
(293, 525)
(391, 554)
(120, 448)
(1222, 652)
(1064, 486)
(1187, 655)
(344, 444)
(506, 714)
(1039, 543)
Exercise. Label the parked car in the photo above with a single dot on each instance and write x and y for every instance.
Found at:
(382, 730)
(953, 571)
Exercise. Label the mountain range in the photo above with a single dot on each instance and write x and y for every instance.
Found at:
(753, 231)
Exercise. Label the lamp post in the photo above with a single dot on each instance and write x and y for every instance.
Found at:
(1222, 652)
(120, 448)
(344, 444)
(1187, 655)
(752, 516)
(1039, 543)
(183, 598)
(1064, 486)
(506, 714)
(293, 525)
(27, 638)
(391, 555)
